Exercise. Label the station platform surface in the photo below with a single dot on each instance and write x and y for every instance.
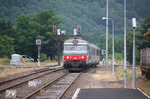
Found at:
(109, 93)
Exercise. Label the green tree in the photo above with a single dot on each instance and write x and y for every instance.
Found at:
(38, 26)
(6, 38)
(25, 36)
(141, 40)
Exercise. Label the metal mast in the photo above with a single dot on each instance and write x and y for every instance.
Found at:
(107, 34)
(125, 72)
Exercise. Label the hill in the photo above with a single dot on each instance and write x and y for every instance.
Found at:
(87, 13)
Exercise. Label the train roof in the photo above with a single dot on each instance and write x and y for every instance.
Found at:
(80, 41)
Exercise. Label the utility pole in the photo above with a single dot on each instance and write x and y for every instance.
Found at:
(107, 34)
(125, 71)
(113, 32)
(133, 62)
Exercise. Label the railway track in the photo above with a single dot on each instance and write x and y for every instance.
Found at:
(21, 82)
(141, 77)
(56, 88)
(6, 80)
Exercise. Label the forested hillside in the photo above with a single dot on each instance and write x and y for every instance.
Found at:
(69, 14)
(87, 13)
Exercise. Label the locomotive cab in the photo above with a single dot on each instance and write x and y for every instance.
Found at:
(78, 54)
(75, 54)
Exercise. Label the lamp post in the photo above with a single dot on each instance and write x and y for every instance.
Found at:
(113, 26)
(134, 69)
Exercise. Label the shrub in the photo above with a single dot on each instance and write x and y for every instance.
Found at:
(43, 57)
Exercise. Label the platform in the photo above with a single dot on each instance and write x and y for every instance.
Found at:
(109, 93)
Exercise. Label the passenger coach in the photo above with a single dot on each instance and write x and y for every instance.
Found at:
(79, 54)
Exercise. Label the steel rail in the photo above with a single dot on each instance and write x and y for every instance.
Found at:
(19, 83)
(38, 90)
(22, 76)
(68, 87)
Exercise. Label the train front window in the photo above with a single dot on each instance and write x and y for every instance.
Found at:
(80, 48)
(69, 48)
(75, 48)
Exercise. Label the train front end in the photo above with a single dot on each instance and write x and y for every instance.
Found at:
(75, 54)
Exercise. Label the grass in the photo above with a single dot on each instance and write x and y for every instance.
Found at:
(120, 73)
(4, 61)
(147, 84)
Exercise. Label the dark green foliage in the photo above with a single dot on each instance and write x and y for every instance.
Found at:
(38, 26)
(141, 40)
(145, 25)
(43, 57)
(6, 38)
(6, 46)
(30, 25)
(87, 13)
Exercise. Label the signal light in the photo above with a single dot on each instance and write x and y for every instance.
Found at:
(54, 29)
(78, 29)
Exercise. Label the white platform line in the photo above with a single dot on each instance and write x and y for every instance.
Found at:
(76, 94)
(143, 92)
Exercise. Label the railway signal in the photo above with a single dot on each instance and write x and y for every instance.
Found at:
(54, 29)
(58, 34)
(79, 29)
(75, 32)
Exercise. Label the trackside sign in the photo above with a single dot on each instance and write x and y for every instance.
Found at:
(38, 42)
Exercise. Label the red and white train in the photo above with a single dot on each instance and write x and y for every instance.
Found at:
(79, 54)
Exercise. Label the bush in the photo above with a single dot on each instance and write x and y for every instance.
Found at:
(119, 56)
(43, 57)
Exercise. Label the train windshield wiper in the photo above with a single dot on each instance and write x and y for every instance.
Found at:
(80, 48)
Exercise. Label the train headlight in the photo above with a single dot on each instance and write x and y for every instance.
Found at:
(67, 57)
(82, 57)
